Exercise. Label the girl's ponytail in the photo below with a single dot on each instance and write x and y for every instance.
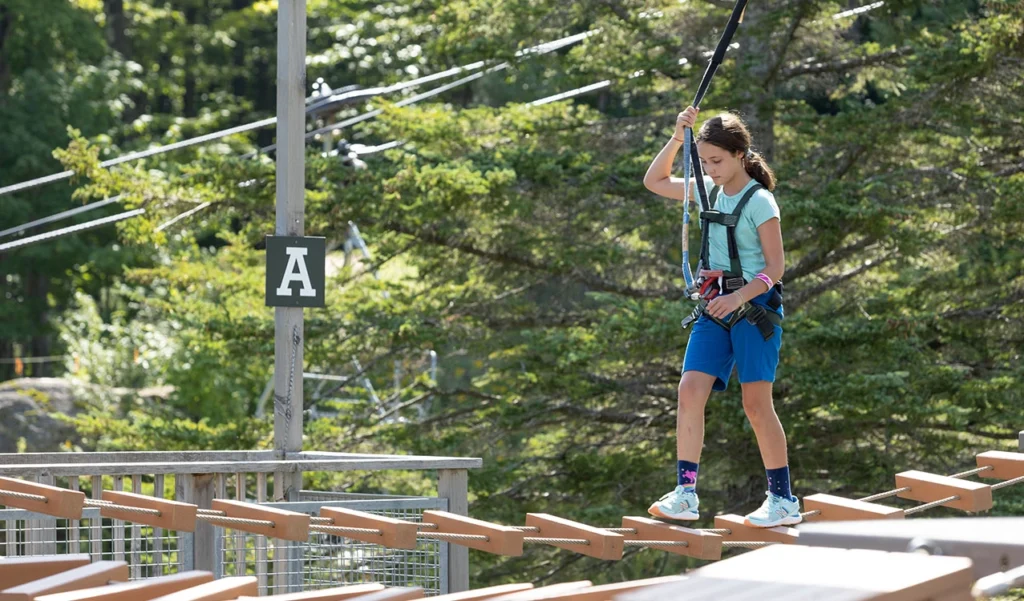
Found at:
(758, 169)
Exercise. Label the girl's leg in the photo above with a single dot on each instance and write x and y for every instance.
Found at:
(682, 503)
(694, 390)
(771, 437)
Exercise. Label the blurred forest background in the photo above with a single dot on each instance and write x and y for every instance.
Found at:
(514, 243)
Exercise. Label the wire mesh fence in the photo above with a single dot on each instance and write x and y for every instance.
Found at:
(323, 561)
(148, 551)
(327, 560)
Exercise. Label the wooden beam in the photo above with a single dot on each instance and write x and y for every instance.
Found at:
(702, 545)
(337, 593)
(60, 502)
(925, 487)
(99, 573)
(740, 531)
(601, 543)
(397, 534)
(504, 540)
(545, 592)
(223, 589)
(288, 525)
(610, 592)
(1007, 466)
(392, 594)
(485, 593)
(137, 590)
(838, 509)
(19, 570)
(174, 515)
(824, 573)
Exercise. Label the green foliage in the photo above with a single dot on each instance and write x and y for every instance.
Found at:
(518, 243)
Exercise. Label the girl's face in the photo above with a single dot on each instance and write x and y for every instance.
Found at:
(718, 163)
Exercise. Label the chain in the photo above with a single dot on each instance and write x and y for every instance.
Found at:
(282, 405)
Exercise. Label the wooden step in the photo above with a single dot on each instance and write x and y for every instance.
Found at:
(19, 570)
(701, 544)
(1007, 466)
(838, 509)
(137, 590)
(742, 532)
(95, 574)
(602, 544)
(925, 487)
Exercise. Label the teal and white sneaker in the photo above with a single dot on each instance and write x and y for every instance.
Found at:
(775, 511)
(680, 504)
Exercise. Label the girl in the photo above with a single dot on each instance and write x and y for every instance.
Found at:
(735, 172)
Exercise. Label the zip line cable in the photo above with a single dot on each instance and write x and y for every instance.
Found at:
(194, 210)
(538, 49)
(62, 215)
(81, 227)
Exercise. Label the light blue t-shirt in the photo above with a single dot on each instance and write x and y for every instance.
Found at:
(760, 208)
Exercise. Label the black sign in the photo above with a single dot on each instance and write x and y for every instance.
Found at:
(295, 271)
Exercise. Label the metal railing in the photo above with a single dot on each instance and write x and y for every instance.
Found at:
(255, 476)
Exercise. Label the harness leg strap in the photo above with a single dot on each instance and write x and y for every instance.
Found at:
(763, 319)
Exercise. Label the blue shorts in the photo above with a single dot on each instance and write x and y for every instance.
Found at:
(715, 351)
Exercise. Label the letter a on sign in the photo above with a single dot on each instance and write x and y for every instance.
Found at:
(295, 271)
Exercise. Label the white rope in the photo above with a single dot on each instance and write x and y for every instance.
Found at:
(23, 495)
(210, 512)
(913, 510)
(556, 541)
(235, 521)
(747, 544)
(345, 530)
(1006, 483)
(455, 537)
(128, 508)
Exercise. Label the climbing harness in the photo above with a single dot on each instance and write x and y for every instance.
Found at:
(710, 283)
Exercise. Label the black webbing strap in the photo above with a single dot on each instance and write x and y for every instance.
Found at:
(729, 220)
(716, 59)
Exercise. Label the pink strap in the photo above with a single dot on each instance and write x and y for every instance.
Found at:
(767, 280)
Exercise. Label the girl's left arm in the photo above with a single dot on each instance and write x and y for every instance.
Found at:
(770, 233)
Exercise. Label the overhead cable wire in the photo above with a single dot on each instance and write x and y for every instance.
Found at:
(71, 229)
(62, 215)
(156, 150)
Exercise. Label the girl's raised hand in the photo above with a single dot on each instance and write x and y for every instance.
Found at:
(687, 118)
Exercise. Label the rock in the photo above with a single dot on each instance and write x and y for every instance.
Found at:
(25, 408)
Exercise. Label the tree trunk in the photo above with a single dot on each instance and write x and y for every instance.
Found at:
(239, 81)
(117, 23)
(757, 108)
(6, 354)
(5, 67)
(190, 106)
